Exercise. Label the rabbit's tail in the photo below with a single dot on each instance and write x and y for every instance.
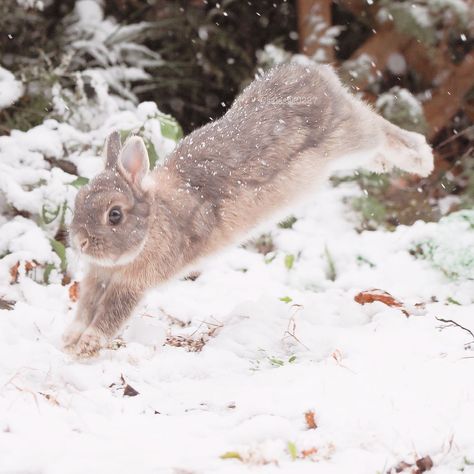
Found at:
(404, 150)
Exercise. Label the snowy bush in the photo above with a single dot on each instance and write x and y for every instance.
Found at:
(454, 256)
(88, 56)
(402, 108)
(425, 19)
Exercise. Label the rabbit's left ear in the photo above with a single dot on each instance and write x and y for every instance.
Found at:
(133, 160)
(112, 149)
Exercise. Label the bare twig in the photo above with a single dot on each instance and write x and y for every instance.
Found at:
(454, 137)
(174, 320)
(454, 323)
(291, 328)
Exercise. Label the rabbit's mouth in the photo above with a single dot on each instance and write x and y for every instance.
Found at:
(119, 261)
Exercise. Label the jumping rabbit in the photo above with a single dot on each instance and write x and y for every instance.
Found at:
(281, 138)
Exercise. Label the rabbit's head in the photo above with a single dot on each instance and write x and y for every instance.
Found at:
(112, 213)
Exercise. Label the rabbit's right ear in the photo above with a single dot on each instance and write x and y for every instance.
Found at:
(112, 149)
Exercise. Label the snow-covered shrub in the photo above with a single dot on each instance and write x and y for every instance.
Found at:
(359, 71)
(454, 256)
(402, 108)
(426, 19)
(271, 55)
(88, 56)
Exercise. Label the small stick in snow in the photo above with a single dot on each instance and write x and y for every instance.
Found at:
(454, 323)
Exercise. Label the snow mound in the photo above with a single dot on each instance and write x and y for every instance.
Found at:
(450, 247)
(10, 89)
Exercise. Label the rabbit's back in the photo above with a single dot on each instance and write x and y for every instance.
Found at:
(284, 112)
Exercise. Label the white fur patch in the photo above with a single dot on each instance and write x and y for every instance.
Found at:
(123, 260)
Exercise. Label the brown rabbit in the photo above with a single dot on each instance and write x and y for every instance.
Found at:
(282, 136)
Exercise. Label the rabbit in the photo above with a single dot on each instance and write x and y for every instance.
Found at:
(282, 137)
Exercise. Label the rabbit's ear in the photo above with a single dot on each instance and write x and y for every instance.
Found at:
(134, 160)
(112, 149)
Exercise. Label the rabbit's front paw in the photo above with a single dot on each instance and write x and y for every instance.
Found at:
(89, 344)
(72, 334)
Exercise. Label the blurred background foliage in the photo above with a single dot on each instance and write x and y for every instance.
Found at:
(412, 60)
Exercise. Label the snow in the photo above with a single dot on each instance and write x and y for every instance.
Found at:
(455, 257)
(384, 387)
(10, 89)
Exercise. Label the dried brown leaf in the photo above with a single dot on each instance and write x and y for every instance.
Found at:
(7, 304)
(370, 296)
(424, 464)
(129, 391)
(74, 291)
(306, 453)
(14, 272)
(310, 420)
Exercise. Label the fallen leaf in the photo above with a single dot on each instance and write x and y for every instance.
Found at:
(14, 272)
(74, 291)
(129, 391)
(231, 455)
(292, 450)
(337, 356)
(400, 467)
(7, 304)
(30, 265)
(424, 464)
(309, 452)
(370, 296)
(65, 280)
(310, 420)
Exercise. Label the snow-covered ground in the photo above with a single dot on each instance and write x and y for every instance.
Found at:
(279, 339)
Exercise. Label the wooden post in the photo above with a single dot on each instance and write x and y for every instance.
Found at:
(308, 11)
(448, 97)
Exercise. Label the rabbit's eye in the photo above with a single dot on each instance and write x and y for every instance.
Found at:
(115, 215)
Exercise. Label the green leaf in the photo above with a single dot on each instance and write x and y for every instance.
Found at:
(453, 301)
(286, 299)
(292, 450)
(152, 154)
(124, 135)
(170, 128)
(79, 182)
(48, 216)
(287, 223)
(47, 272)
(276, 362)
(270, 259)
(289, 261)
(292, 359)
(231, 455)
(361, 259)
(60, 251)
(371, 209)
(331, 270)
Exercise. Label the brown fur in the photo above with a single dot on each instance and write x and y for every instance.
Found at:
(280, 139)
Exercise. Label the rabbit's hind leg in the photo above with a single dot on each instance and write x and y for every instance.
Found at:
(405, 150)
